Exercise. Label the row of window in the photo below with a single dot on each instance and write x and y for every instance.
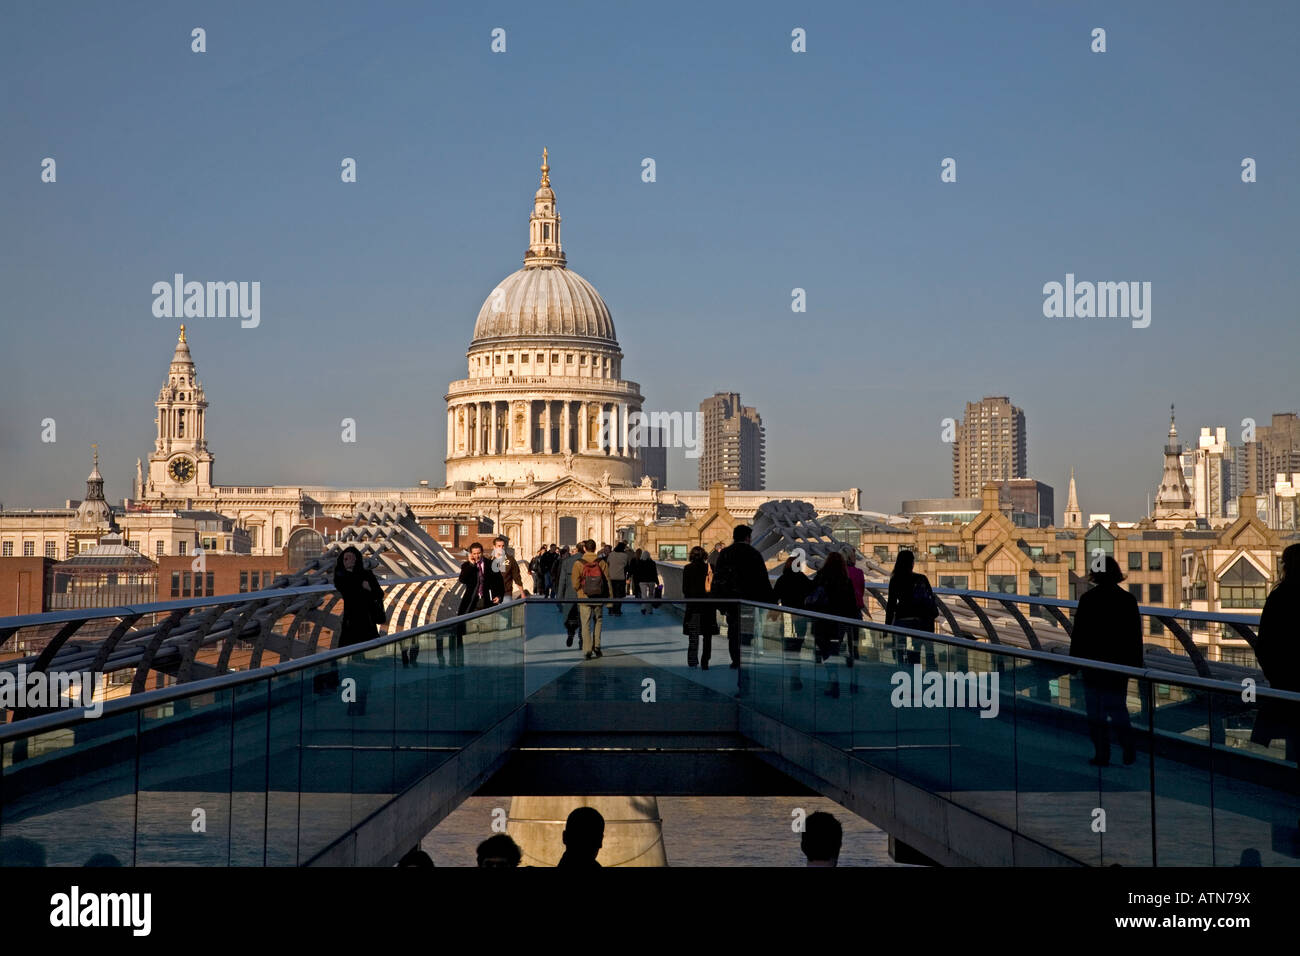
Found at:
(597, 361)
(192, 584)
(255, 580)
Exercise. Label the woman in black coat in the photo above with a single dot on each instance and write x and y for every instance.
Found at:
(700, 620)
(832, 593)
(791, 590)
(363, 599)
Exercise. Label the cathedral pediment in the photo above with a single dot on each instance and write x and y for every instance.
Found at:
(568, 489)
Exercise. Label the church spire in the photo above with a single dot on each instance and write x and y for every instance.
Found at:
(544, 225)
(1073, 516)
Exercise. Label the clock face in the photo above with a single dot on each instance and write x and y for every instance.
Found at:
(181, 469)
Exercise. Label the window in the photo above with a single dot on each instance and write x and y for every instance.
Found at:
(1002, 583)
(1099, 538)
(185, 584)
(243, 582)
(1070, 558)
(555, 356)
(1040, 586)
(29, 549)
(1157, 594)
(1156, 560)
(464, 529)
(584, 360)
(569, 359)
(510, 359)
(1136, 591)
(523, 359)
(7, 549)
(209, 544)
(158, 548)
(1242, 586)
(51, 549)
(1135, 560)
(176, 584)
(955, 581)
(279, 532)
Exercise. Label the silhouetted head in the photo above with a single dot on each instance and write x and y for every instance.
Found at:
(834, 565)
(1110, 573)
(1291, 565)
(822, 836)
(621, 546)
(418, 859)
(349, 560)
(904, 563)
(741, 533)
(584, 832)
(103, 859)
(498, 852)
(697, 554)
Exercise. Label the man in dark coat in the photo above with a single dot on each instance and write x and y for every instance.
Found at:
(1108, 628)
(1277, 648)
(483, 587)
(741, 574)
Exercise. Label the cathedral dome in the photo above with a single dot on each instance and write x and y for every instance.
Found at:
(543, 299)
(551, 302)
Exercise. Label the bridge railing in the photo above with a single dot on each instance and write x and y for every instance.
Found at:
(1045, 623)
(129, 648)
(269, 766)
(1206, 775)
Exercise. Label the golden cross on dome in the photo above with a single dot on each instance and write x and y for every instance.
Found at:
(546, 169)
(182, 332)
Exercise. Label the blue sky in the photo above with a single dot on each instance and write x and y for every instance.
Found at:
(775, 170)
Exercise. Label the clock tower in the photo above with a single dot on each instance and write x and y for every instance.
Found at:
(180, 466)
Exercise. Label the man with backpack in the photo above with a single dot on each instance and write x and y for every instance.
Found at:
(590, 580)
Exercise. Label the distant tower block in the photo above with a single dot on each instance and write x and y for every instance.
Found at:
(633, 831)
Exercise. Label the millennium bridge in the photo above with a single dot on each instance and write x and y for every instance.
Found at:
(239, 712)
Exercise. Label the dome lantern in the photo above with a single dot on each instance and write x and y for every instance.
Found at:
(544, 225)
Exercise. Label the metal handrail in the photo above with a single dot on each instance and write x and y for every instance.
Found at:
(153, 698)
